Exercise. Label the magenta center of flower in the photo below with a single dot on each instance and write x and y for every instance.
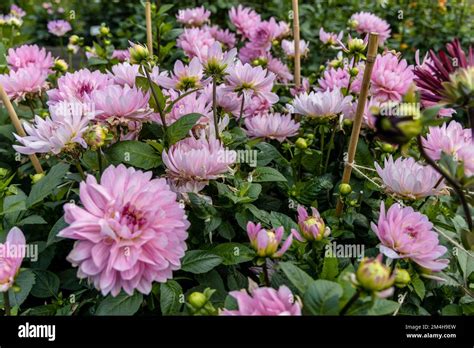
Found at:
(410, 231)
(132, 218)
(85, 89)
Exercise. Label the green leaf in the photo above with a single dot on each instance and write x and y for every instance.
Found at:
(46, 285)
(269, 153)
(97, 61)
(419, 287)
(122, 304)
(383, 307)
(180, 129)
(279, 219)
(46, 186)
(25, 281)
(169, 297)
(134, 153)
(322, 298)
(14, 204)
(32, 220)
(267, 174)
(199, 261)
(58, 226)
(299, 278)
(330, 268)
(233, 253)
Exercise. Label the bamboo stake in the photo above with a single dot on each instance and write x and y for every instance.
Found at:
(364, 91)
(149, 35)
(296, 37)
(17, 124)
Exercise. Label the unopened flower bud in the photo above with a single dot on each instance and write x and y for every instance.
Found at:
(96, 136)
(36, 177)
(402, 278)
(74, 39)
(356, 45)
(104, 30)
(139, 54)
(388, 148)
(60, 65)
(459, 91)
(373, 275)
(197, 299)
(354, 72)
(301, 143)
(345, 189)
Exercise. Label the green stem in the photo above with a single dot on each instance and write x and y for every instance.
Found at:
(99, 159)
(155, 97)
(266, 278)
(331, 145)
(349, 303)
(81, 171)
(322, 144)
(214, 108)
(241, 110)
(31, 106)
(6, 303)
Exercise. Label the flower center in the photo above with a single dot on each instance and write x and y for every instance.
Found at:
(132, 217)
(412, 234)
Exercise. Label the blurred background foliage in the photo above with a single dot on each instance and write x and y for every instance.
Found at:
(423, 25)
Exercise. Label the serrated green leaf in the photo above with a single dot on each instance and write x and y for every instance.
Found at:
(199, 261)
(123, 304)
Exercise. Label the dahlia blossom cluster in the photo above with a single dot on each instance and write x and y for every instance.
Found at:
(330, 39)
(405, 233)
(30, 56)
(24, 83)
(311, 227)
(129, 232)
(366, 23)
(266, 241)
(271, 126)
(409, 179)
(10, 262)
(193, 17)
(184, 77)
(320, 105)
(265, 301)
(59, 27)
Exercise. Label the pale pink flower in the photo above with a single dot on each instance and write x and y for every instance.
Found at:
(192, 103)
(257, 105)
(251, 81)
(312, 227)
(59, 27)
(390, 78)
(78, 86)
(11, 258)
(121, 55)
(129, 233)
(121, 103)
(184, 77)
(321, 104)
(30, 55)
(265, 301)
(466, 156)
(193, 17)
(60, 132)
(280, 69)
(368, 117)
(244, 19)
(225, 37)
(329, 38)
(289, 48)
(408, 179)
(334, 78)
(228, 101)
(24, 82)
(250, 52)
(271, 126)
(448, 139)
(195, 42)
(303, 88)
(192, 162)
(125, 74)
(263, 34)
(407, 234)
(266, 241)
(216, 61)
(365, 23)
(17, 11)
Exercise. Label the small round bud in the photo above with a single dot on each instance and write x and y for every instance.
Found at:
(354, 72)
(36, 177)
(347, 122)
(60, 65)
(107, 42)
(345, 189)
(104, 30)
(373, 275)
(388, 148)
(402, 278)
(139, 54)
(310, 136)
(96, 136)
(74, 39)
(301, 143)
(197, 299)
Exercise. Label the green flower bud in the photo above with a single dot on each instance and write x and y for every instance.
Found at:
(60, 65)
(104, 30)
(459, 91)
(301, 143)
(356, 45)
(36, 177)
(402, 278)
(345, 189)
(74, 39)
(310, 136)
(373, 275)
(107, 42)
(354, 72)
(95, 137)
(388, 148)
(139, 54)
(347, 122)
(197, 299)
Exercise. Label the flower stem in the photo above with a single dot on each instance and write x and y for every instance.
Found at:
(241, 110)
(453, 182)
(81, 171)
(31, 106)
(331, 145)
(155, 97)
(214, 108)
(99, 159)
(349, 303)
(266, 278)
(6, 303)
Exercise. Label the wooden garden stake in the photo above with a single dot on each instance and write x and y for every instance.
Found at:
(364, 91)
(17, 124)
(296, 37)
(149, 35)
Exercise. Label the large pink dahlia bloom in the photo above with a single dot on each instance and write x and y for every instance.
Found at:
(30, 55)
(391, 78)
(321, 104)
(59, 27)
(24, 82)
(448, 139)
(409, 179)
(405, 233)
(244, 19)
(11, 258)
(265, 301)
(271, 126)
(366, 22)
(130, 231)
(193, 17)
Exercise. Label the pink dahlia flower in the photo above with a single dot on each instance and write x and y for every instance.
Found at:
(17, 11)
(405, 233)
(263, 34)
(30, 55)
(121, 103)
(216, 62)
(251, 81)
(244, 19)
(368, 118)
(448, 139)
(62, 131)
(256, 106)
(390, 78)
(192, 162)
(193, 17)
(321, 104)
(24, 82)
(225, 37)
(409, 179)
(312, 227)
(271, 126)
(303, 88)
(192, 103)
(195, 42)
(78, 86)
(334, 78)
(265, 301)
(184, 77)
(251, 51)
(329, 38)
(129, 233)
(289, 48)
(59, 27)
(280, 69)
(228, 101)
(365, 23)
(121, 55)
(266, 242)
(125, 74)
(11, 258)
(466, 156)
